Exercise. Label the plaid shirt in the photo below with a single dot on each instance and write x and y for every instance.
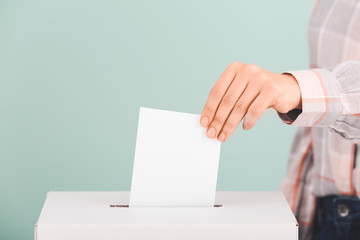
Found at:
(325, 156)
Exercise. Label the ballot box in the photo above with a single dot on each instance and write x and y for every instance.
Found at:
(107, 216)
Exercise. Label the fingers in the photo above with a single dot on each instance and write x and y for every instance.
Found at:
(235, 96)
(238, 112)
(256, 109)
(227, 103)
(216, 94)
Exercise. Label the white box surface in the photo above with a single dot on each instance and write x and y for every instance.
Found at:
(90, 216)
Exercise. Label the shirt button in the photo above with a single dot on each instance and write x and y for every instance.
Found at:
(343, 210)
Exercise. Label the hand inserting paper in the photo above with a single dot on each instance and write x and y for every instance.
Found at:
(246, 89)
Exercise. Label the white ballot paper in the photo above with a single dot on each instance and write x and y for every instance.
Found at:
(175, 164)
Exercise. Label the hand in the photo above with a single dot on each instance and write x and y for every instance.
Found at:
(247, 90)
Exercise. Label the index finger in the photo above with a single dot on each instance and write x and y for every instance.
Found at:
(216, 94)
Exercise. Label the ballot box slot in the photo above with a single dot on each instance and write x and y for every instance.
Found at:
(126, 206)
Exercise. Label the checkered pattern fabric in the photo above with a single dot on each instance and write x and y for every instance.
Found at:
(324, 158)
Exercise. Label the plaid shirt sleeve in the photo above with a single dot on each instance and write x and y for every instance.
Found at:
(330, 98)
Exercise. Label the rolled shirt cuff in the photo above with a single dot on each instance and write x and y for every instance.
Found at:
(321, 103)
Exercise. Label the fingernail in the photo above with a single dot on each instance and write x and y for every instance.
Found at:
(211, 133)
(222, 137)
(204, 121)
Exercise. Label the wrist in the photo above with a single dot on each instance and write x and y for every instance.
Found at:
(295, 91)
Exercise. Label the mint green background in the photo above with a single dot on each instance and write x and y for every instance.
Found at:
(73, 75)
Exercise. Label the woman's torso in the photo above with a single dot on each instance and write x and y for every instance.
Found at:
(334, 37)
